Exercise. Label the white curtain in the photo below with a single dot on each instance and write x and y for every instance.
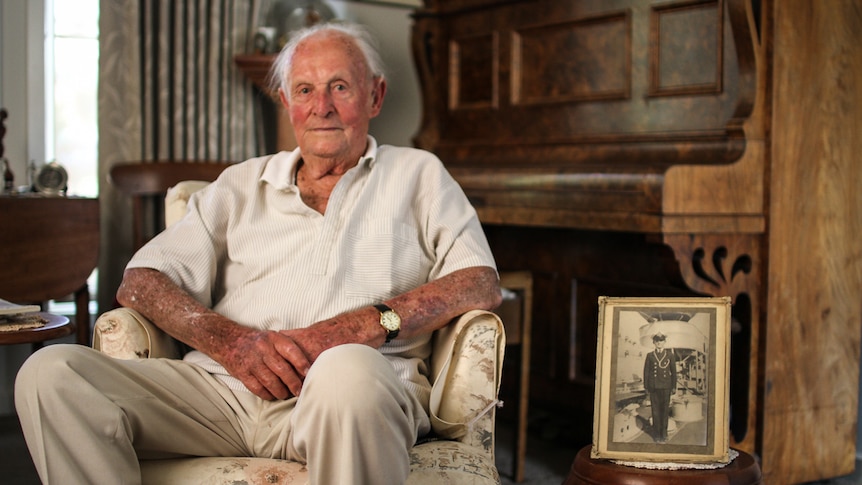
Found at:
(169, 90)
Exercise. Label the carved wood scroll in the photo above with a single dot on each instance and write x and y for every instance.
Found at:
(729, 265)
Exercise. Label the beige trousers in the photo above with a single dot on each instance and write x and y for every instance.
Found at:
(88, 418)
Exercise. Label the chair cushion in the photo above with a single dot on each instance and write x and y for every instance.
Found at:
(432, 463)
(439, 462)
(222, 471)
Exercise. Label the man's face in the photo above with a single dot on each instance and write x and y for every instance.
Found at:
(659, 344)
(331, 98)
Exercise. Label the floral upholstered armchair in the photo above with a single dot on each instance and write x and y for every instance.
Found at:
(466, 362)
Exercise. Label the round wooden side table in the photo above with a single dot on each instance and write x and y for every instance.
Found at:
(588, 471)
(57, 326)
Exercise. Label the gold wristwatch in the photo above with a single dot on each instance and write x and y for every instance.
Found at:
(389, 320)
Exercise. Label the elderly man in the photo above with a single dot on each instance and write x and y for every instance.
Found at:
(308, 284)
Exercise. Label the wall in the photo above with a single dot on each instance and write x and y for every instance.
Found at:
(402, 108)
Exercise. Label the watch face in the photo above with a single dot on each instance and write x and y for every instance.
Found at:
(390, 320)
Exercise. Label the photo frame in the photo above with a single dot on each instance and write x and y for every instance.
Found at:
(662, 350)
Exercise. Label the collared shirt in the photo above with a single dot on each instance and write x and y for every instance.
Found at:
(254, 252)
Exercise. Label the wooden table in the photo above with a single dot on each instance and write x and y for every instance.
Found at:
(588, 471)
(50, 248)
(58, 326)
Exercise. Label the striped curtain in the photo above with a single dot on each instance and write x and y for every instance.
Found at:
(169, 90)
(195, 103)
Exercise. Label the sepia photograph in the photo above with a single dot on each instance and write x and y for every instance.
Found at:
(662, 380)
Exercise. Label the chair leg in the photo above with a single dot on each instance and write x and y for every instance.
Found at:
(521, 281)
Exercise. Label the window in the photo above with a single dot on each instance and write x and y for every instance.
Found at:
(72, 73)
(71, 107)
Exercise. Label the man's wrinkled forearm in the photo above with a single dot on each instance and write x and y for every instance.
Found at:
(176, 312)
(434, 304)
(422, 310)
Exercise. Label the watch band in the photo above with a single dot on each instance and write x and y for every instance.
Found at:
(382, 308)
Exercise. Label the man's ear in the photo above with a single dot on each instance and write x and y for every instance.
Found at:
(283, 97)
(377, 95)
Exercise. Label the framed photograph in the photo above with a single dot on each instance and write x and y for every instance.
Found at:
(662, 374)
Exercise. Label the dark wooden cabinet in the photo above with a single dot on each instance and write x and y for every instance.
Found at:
(638, 148)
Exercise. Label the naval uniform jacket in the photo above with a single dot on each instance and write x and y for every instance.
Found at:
(660, 370)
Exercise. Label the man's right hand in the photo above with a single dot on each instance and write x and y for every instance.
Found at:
(270, 364)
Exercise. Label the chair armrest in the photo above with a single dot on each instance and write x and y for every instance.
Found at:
(467, 361)
(124, 333)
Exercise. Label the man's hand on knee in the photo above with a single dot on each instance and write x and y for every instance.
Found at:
(269, 364)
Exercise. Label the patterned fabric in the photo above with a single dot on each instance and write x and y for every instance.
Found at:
(223, 471)
(450, 462)
(430, 464)
(126, 334)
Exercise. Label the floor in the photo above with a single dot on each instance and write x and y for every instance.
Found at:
(548, 456)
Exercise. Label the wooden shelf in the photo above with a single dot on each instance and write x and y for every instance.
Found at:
(256, 67)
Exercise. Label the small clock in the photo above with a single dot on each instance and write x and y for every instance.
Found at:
(51, 179)
(264, 40)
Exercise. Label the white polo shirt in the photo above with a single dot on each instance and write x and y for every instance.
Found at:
(253, 251)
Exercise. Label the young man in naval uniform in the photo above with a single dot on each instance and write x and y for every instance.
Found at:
(660, 384)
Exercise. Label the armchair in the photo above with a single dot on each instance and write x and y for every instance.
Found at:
(466, 364)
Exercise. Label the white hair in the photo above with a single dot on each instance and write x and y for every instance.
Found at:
(280, 71)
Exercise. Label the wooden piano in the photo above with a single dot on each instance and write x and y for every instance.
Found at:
(677, 147)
